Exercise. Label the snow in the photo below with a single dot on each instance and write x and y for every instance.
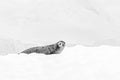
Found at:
(74, 63)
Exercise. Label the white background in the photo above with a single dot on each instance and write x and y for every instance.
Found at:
(85, 22)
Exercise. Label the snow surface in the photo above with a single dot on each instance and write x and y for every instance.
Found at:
(74, 63)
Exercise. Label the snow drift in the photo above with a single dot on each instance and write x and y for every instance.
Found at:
(74, 63)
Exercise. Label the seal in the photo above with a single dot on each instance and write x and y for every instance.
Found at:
(47, 50)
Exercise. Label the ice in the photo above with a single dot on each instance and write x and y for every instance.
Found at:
(74, 63)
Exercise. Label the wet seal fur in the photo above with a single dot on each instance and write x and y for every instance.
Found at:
(47, 50)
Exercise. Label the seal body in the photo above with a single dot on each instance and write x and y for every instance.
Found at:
(48, 49)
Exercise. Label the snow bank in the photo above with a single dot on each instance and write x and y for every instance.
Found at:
(74, 63)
